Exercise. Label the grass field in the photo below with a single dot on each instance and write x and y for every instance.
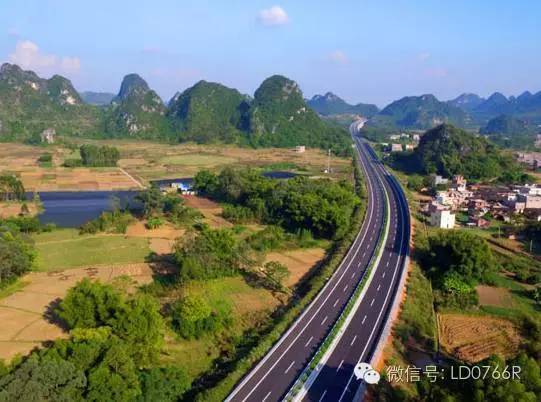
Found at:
(65, 248)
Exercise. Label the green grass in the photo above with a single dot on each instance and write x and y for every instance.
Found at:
(65, 248)
(11, 288)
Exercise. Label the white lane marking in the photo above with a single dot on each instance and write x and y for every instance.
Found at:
(359, 264)
(336, 302)
(345, 288)
(309, 340)
(364, 319)
(372, 302)
(353, 275)
(353, 341)
(266, 396)
(325, 319)
(364, 254)
(379, 286)
(340, 366)
(372, 202)
(322, 396)
(291, 365)
(387, 264)
(381, 311)
(383, 275)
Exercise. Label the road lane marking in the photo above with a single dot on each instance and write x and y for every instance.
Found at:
(340, 365)
(353, 275)
(353, 341)
(336, 302)
(387, 264)
(322, 396)
(379, 286)
(309, 340)
(364, 319)
(345, 288)
(372, 302)
(266, 396)
(325, 319)
(383, 275)
(291, 365)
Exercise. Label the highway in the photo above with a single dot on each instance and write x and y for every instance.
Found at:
(273, 376)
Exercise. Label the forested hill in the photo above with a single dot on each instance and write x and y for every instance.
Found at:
(279, 116)
(448, 151)
(207, 113)
(419, 112)
(331, 104)
(29, 104)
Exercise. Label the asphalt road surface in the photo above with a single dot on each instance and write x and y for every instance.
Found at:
(273, 376)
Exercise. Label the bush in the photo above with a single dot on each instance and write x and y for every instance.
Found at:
(71, 163)
(238, 214)
(192, 317)
(270, 238)
(109, 222)
(99, 156)
(17, 256)
(45, 158)
(154, 222)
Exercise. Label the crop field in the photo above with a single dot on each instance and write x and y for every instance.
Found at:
(474, 338)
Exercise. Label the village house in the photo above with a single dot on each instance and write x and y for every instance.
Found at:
(48, 135)
(396, 147)
(443, 219)
(300, 149)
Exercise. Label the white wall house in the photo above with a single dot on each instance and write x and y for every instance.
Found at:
(442, 219)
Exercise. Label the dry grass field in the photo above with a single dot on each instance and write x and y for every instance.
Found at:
(474, 338)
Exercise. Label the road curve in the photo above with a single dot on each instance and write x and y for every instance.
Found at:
(273, 376)
(335, 381)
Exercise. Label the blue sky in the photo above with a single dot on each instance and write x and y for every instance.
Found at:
(364, 51)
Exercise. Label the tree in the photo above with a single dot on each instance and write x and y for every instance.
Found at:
(96, 156)
(11, 188)
(36, 380)
(90, 304)
(192, 317)
(274, 275)
(152, 201)
(163, 384)
(17, 255)
(115, 377)
(141, 325)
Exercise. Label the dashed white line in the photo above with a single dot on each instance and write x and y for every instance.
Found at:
(383, 275)
(291, 365)
(322, 396)
(340, 365)
(377, 290)
(345, 288)
(353, 341)
(353, 275)
(324, 320)
(309, 340)
(387, 264)
(266, 396)
(372, 302)
(364, 319)
(336, 302)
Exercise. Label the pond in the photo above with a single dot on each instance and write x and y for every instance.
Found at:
(73, 208)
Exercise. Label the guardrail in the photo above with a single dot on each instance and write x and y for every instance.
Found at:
(327, 346)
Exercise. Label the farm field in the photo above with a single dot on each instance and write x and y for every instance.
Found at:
(473, 338)
(147, 161)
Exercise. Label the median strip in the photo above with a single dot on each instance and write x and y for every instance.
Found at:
(309, 374)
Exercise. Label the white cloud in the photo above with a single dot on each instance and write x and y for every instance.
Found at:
(29, 57)
(338, 56)
(273, 16)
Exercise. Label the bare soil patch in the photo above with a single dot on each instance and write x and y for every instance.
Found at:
(299, 262)
(493, 296)
(10, 209)
(474, 338)
(166, 231)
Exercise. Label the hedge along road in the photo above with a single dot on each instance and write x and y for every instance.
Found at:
(272, 377)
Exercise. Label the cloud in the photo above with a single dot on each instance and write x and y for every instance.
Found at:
(28, 56)
(424, 56)
(338, 56)
(273, 16)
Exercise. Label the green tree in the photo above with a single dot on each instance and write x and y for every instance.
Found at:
(152, 201)
(17, 255)
(90, 304)
(274, 275)
(50, 380)
(192, 317)
(11, 188)
(163, 384)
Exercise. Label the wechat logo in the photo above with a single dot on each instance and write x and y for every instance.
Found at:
(364, 371)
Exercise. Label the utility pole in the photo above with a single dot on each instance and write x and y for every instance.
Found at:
(329, 162)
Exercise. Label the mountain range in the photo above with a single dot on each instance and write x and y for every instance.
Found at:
(207, 112)
(331, 104)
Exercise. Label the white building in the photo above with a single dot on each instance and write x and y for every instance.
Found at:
(300, 149)
(442, 219)
(396, 147)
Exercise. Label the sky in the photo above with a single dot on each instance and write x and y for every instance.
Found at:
(362, 50)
